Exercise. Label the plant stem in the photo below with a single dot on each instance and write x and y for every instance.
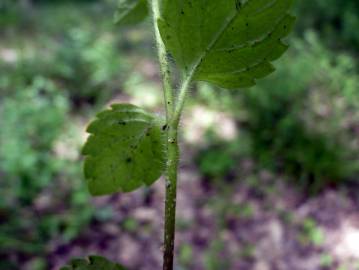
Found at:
(172, 148)
(173, 155)
(181, 100)
(173, 116)
(171, 195)
(164, 64)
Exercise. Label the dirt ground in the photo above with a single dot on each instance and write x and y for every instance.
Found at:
(259, 222)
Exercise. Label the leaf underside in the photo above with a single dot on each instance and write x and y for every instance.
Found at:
(92, 263)
(230, 43)
(131, 11)
(124, 151)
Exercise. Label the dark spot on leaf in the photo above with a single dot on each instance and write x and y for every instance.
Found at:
(238, 4)
(128, 160)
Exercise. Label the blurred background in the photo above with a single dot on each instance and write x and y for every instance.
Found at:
(269, 175)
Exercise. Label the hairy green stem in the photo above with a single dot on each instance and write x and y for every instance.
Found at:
(173, 116)
(181, 99)
(171, 195)
(164, 64)
(172, 148)
(173, 155)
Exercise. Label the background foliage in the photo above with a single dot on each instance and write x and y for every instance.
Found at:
(62, 60)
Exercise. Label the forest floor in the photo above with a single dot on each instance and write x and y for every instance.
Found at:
(251, 221)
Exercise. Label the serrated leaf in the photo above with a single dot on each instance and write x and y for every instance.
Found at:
(229, 43)
(131, 11)
(92, 263)
(124, 151)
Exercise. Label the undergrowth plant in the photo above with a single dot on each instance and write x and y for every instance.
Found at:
(229, 43)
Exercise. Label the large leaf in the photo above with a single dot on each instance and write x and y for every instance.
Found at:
(92, 263)
(131, 11)
(125, 150)
(229, 42)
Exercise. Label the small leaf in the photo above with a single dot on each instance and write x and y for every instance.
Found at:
(229, 43)
(131, 11)
(125, 150)
(92, 263)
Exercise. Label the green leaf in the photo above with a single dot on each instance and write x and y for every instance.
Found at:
(229, 43)
(92, 263)
(131, 11)
(125, 150)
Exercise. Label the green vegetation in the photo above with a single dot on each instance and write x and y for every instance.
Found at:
(27, 144)
(219, 53)
(93, 263)
(129, 130)
(296, 128)
(335, 20)
(61, 61)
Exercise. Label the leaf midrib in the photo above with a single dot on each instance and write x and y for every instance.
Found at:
(213, 42)
(216, 38)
